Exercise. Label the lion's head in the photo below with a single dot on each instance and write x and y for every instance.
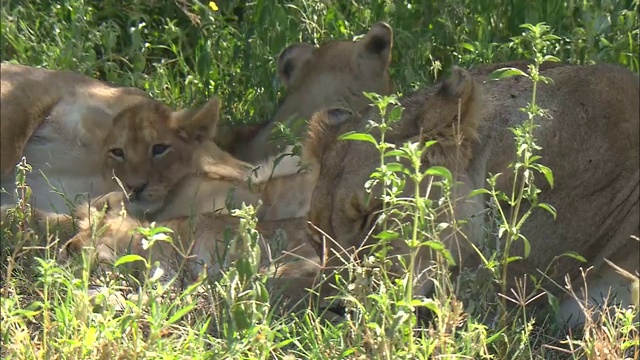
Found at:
(150, 147)
(340, 206)
(315, 77)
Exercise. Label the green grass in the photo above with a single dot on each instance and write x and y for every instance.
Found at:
(184, 52)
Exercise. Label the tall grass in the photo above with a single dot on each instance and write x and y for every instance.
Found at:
(183, 52)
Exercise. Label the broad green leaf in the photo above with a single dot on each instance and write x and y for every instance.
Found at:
(550, 58)
(351, 135)
(468, 46)
(439, 247)
(129, 259)
(387, 235)
(548, 174)
(478, 192)
(394, 167)
(440, 171)
(506, 73)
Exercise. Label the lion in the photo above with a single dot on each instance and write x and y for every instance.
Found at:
(589, 141)
(335, 73)
(60, 122)
(199, 240)
(70, 118)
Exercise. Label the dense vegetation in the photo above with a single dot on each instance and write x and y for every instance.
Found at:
(182, 52)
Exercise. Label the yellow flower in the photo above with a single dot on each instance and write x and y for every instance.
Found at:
(213, 5)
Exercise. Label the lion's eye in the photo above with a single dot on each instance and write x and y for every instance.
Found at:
(159, 149)
(117, 154)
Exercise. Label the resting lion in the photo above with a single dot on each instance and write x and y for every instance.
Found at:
(591, 144)
(199, 241)
(335, 73)
(113, 234)
(60, 121)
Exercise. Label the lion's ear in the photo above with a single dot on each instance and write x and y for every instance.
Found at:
(291, 60)
(451, 116)
(323, 130)
(198, 124)
(375, 46)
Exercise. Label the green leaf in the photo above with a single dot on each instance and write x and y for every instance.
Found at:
(440, 171)
(394, 167)
(554, 303)
(550, 58)
(548, 174)
(574, 255)
(513, 258)
(128, 259)
(506, 73)
(429, 143)
(387, 235)
(493, 337)
(352, 135)
(468, 46)
(527, 247)
(432, 305)
(180, 313)
(549, 208)
(439, 247)
(478, 192)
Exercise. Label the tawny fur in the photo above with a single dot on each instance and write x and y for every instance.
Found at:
(334, 74)
(591, 144)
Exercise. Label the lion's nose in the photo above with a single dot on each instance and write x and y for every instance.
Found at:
(137, 189)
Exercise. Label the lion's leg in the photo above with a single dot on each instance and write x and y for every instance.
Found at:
(44, 223)
(604, 287)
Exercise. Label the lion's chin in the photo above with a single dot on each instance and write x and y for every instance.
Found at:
(144, 209)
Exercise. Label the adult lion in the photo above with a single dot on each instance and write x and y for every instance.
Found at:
(335, 73)
(60, 120)
(591, 144)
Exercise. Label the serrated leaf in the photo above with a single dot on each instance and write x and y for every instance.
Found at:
(352, 135)
(129, 259)
(504, 73)
(180, 313)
